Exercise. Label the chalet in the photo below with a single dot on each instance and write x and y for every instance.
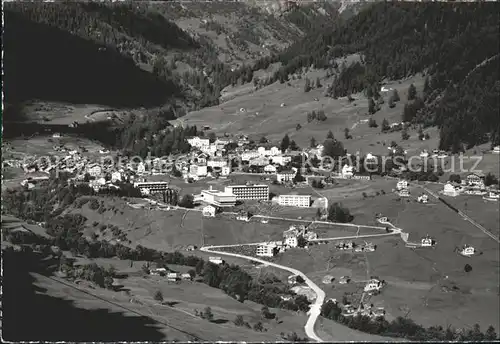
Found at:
(344, 280)
(347, 171)
(404, 193)
(198, 170)
(267, 250)
(467, 251)
(209, 211)
(191, 248)
(369, 247)
(281, 159)
(173, 276)
(216, 260)
(423, 198)
(243, 216)
(328, 279)
(158, 272)
(217, 162)
(427, 241)
(201, 158)
(450, 190)
(378, 312)
(285, 176)
(492, 196)
(270, 169)
(402, 184)
(496, 150)
(292, 279)
(475, 180)
(186, 277)
(373, 285)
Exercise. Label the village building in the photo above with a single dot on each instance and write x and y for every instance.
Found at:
(259, 161)
(248, 155)
(344, 280)
(198, 170)
(186, 277)
(270, 169)
(285, 176)
(243, 216)
(94, 170)
(450, 190)
(281, 159)
(402, 184)
(173, 276)
(217, 162)
(347, 171)
(147, 188)
(291, 200)
(404, 193)
(373, 285)
(427, 241)
(249, 191)
(198, 142)
(475, 180)
(158, 272)
(496, 150)
(218, 198)
(467, 251)
(216, 260)
(423, 198)
(267, 250)
(225, 170)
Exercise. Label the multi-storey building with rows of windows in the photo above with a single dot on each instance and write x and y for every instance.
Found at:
(249, 192)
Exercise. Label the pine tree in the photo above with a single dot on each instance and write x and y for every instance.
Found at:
(285, 143)
(307, 85)
(412, 92)
(330, 135)
(371, 106)
(385, 125)
(312, 142)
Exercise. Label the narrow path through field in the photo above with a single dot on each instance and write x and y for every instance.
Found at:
(462, 214)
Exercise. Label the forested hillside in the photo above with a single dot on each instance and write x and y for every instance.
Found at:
(185, 47)
(46, 63)
(447, 41)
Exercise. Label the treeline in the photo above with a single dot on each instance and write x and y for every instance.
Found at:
(406, 328)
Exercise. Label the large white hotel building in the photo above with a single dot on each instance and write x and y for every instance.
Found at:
(249, 192)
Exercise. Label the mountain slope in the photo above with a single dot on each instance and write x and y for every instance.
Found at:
(447, 41)
(198, 47)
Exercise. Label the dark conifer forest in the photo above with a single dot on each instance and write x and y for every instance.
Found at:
(456, 45)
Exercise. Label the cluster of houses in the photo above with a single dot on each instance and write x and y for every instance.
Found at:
(436, 153)
(402, 188)
(290, 240)
(171, 276)
(473, 184)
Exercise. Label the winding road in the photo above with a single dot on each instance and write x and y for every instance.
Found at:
(315, 309)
